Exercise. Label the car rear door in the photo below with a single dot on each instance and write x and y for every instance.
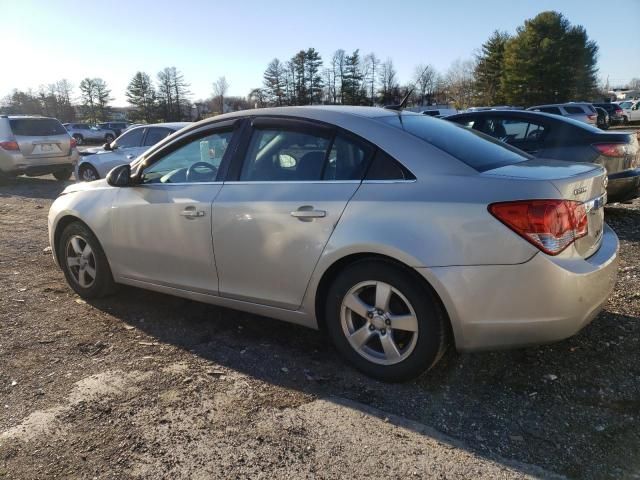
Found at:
(40, 137)
(283, 197)
(162, 227)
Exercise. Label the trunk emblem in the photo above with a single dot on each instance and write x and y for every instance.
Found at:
(579, 190)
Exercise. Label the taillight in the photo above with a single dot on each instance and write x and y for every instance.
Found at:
(618, 111)
(611, 149)
(10, 146)
(550, 225)
(74, 143)
(592, 117)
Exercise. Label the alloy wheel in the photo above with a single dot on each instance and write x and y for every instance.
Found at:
(379, 322)
(81, 261)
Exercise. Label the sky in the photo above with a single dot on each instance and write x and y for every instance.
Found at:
(45, 41)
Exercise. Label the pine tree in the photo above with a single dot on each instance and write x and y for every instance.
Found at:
(103, 97)
(275, 83)
(88, 98)
(549, 60)
(313, 83)
(352, 91)
(490, 69)
(141, 94)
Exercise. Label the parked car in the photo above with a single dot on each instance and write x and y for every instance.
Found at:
(630, 111)
(583, 112)
(117, 127)
(33, 145)
(551, 136)
(614, 111)
(83, 132)
(124, 149)
(602, 121)
(439, 112)
(395, 232)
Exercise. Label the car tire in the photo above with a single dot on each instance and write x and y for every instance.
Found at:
(87, 173)
(369, 340)
(63, 175)
(109, 138)
(625, 120)
(84, 263)
(79, 138)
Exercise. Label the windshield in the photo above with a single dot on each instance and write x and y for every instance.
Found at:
(477, 150)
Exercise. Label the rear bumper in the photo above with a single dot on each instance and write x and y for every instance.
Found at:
(624, 185)
(17, 164)
(541, 301)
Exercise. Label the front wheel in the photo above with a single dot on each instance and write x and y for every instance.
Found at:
(384, 321)
(83, 262)
(88, 173)
(63, 175)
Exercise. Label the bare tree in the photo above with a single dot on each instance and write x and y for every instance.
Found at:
(388, 82)
(220, 88)
(460, 82)
(373, 63)
(424, 77)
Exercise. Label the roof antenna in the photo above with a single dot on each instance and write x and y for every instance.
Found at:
(402, 104)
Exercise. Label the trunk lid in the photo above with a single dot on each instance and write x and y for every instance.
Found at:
(581, 182)
(40, 137)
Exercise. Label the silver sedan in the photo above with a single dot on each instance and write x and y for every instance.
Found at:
(397, 233)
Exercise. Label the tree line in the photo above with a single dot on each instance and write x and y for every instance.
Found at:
(546, 60)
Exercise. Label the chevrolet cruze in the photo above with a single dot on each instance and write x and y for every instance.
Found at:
(397, 233)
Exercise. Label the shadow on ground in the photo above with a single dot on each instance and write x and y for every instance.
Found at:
(571, 407)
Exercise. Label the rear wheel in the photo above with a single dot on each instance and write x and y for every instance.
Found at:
(63, 175)
(384, 322)
(83, 262)
(88, 173)
(625, 120)
(79, 138)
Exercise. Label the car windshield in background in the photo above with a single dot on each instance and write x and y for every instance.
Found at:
(36, 127)
(477, 150)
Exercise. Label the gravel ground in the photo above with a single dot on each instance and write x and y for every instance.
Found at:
(144, 385)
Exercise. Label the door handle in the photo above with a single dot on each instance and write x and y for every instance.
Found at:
(191, 213)
(306, 212)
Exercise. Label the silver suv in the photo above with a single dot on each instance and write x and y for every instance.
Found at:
(583, 112)
(34, 145)
(83, 132)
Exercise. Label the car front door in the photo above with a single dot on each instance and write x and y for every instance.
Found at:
(162, 226)
(284, 195)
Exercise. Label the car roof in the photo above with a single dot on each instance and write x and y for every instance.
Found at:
(565, 104)
(312, 111)
(172, 125)
(15, 117)
(509, 113)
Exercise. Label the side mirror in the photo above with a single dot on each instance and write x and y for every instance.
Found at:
(120, 176)
(107, 147)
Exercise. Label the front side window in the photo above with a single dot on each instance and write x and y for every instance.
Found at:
(197, 161)
(507, 130)
(154, 135)
(130, 139)
(284, 155)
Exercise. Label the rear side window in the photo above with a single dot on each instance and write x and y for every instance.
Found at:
(347, 159)
(573, 110)
(385, 167)
(552, 110)
(36, 127)
(479, 151)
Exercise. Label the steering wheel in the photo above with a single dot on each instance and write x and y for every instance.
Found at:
(535, 134)
(195, 173)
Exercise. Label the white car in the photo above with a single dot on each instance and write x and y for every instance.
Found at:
(630, 110)
(123, 149)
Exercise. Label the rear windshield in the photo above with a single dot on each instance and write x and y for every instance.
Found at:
(36, 127)
(476, 149)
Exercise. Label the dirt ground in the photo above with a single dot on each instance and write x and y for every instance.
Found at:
(143, 385)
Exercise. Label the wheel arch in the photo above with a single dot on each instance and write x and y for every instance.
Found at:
(332, 272)
(61, 224)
